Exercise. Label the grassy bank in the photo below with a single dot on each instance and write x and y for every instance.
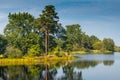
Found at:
(35, 60)
(101, 51)
(91, 52)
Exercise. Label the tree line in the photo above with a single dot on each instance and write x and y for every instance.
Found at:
(26, 35)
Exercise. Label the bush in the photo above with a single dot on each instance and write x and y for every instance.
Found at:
(12, 52)
(34, 50)
(117, 48)
(84, 49)
(98, 45)
(57, 51)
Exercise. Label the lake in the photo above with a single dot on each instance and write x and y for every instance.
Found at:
(85, 67)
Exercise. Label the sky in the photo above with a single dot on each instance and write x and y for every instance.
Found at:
(96, 17)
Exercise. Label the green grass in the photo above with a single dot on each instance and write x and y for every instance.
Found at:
(79, 52)
(101, 51)
(36, 60)
(91, 51)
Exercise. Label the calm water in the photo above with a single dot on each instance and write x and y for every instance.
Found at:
(87, 67)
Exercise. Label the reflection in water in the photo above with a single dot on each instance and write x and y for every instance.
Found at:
(108, 63)
(3, 75)
(90, 60)
(45, 72)
(51, 74)
(84, 64)
(70, 74)
(57, 71)
(87, 64)
(39, 72)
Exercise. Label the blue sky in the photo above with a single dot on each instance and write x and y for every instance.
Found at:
(96, 17)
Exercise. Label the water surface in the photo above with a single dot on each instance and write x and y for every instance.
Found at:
(86, 67)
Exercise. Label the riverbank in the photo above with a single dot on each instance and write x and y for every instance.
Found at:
(34, 60)
(91, 52)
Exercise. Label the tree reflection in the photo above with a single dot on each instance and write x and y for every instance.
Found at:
(108, 63)
(45, 74)
(50, 71)
(70, 74)
(44, 71)
(87, 64)
(13, 72)
(3, 75)
(84, 64)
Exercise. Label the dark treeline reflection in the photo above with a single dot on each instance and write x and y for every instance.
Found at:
(86, 64)
(48, 72)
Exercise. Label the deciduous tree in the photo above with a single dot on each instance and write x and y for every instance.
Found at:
(108, 44)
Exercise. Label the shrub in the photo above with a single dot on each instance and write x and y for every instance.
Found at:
(34, 50)
(57, 51)
(12, 52)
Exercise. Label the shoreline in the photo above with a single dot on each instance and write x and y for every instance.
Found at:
(34, 60)
(92, 52)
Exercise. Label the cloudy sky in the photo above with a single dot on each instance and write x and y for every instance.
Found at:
(96, 17)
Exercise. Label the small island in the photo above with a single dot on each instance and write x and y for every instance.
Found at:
(29, 39)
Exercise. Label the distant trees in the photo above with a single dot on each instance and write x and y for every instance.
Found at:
(117, 49)
(76, 40)
(109, 44)
(106, 44)
(93, 40)
(98, 45)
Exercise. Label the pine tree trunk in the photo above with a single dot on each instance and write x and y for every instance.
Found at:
(46, 42)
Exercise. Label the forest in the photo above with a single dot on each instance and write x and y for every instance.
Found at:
(25, 35)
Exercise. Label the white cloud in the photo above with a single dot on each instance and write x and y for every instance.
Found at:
(3, 21)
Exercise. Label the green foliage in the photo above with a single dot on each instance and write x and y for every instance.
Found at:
(86, 41)
(84, 50)
(20, 23)
(109, 44)
(57, 51)
(12, 52)
(52, 43)
(3, 44)
(34, 70)
(24, 43)
(34, 50)
(48, 19)
(93, 40)
(98, 45)
(73, 33)
(68, 48)
(33, 37)
(48, 23)
(20, 31)
(117, 48)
